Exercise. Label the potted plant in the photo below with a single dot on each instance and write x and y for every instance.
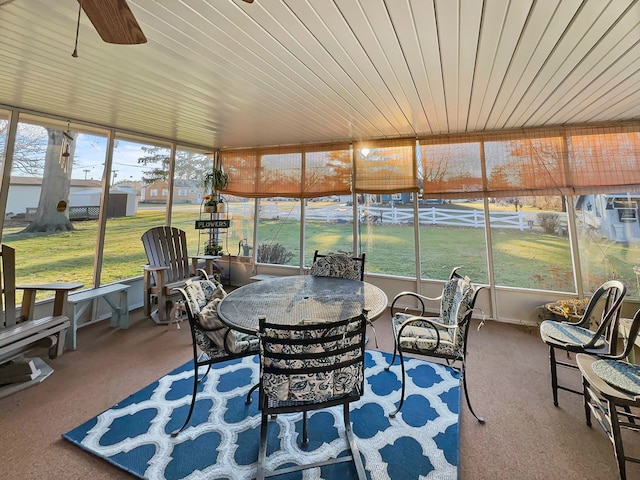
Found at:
(210, 204)
(221, 207)
(212, 248)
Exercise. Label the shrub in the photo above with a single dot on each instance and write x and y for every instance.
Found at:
(549, 222)
(273, 253)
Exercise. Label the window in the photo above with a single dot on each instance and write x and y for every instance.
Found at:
(452, 231)
(385, 177)
(54, 200)
(609, 244)
(138, 165)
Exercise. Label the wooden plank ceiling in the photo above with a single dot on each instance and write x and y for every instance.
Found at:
(225, 73)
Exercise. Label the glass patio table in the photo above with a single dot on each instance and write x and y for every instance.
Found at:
(290, 300)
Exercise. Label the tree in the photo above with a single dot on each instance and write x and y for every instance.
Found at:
(30, 147)
(56, 187)
(190, 166)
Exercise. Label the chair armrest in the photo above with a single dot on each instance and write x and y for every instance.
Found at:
(421, 299)
(152, 268)
(430, 320)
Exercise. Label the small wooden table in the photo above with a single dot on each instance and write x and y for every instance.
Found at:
(289, 300)
(59, 302)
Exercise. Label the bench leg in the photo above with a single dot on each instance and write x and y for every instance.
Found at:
(119, 311)
(70, 342)
(58, 348)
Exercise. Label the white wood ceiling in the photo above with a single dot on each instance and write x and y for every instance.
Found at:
(225, 73)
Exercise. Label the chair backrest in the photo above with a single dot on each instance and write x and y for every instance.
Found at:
(167, 247)
(201, 302)
(315, 362)
(456, 308)
(603, 311)
(342, 265)
(8, 315)
(629, 339)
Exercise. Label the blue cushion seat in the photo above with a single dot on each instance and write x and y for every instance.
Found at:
(569, 334)
(621, 375)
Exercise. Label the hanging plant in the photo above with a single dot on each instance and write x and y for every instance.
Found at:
(216, 180)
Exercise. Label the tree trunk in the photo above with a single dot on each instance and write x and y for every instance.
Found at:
(56, 187)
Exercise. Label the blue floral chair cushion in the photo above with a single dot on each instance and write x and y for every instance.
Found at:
(339, 265)
(448, 340)
(318, 386)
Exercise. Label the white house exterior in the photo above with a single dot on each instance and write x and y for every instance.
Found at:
(613, 215)
(24, 192)
(24, 195)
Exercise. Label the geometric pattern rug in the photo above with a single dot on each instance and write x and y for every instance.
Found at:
(222, 438)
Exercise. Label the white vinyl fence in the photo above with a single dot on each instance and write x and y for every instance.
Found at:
(432, 215)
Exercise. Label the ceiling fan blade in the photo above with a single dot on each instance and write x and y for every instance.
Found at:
(114, 21)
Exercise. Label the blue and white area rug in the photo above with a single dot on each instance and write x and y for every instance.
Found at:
(221, 441)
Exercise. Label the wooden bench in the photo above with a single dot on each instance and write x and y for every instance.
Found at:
(19, 333)
(115, 295)
(169, 268)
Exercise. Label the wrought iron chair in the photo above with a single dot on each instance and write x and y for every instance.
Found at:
(306, 367)
(602, 314)
(611, 387)
(444, 336)
(341, 265)
(214, 339)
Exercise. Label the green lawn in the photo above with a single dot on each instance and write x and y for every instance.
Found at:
(522, 258)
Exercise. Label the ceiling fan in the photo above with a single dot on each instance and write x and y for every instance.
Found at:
(114, 21)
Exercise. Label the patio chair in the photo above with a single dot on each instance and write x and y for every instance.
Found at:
(611, 386)
(340, 265)
(310, 366)
(215, 340)
(444, 336)
(595, 333)
(169, 266)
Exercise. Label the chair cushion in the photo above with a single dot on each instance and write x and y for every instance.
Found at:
(218, 333)
(621, 375)
(200, 292)
(457, 296)
(420, 336)
(338, 265)
(317, 386)
(569, 334)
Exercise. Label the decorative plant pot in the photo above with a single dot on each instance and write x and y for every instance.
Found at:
(210, 208)
(222, 208)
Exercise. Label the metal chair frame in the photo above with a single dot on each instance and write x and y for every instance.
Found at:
(463, 323)
(611, 293)
(610, 406)
(284, 352)
(204, 358)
